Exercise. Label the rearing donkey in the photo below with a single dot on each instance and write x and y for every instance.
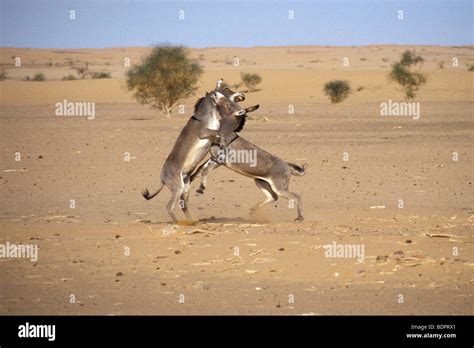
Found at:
(271, 174)
(191, 147)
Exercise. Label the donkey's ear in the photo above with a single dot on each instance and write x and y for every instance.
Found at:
(219, 83)
(215, 97)
(252, 108)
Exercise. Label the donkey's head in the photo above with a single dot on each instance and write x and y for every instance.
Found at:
(236, 97)
(225, 106)
(223, 88)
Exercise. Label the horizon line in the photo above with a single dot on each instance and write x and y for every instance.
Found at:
(240, 47)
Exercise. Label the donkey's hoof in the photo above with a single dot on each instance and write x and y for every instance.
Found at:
(299, 219)
(199, 192)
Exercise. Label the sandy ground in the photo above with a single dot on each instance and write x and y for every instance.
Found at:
(118, 254)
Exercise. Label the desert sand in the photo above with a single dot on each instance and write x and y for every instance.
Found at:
(117, 253)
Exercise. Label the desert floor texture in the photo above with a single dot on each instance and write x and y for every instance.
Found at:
(116, 253)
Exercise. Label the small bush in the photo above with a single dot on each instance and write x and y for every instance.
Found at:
(251, 80)
(27, 78)
(403, 73)
(410, 58)
(165, 77)
(101, 75)
(441, 64)
(470, 67)
(3, 75)
(360, 88)
(337, 90)
(69, 78)
(82, 72)
(39, 77)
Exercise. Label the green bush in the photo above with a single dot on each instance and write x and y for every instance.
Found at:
(337, 90)
(251, 80)
(403, 73)
(165, 77)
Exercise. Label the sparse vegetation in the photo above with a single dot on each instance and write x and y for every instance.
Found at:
(165, 77)
(441, 64)
(251, 80)
(3, 75)
(39, 77)
(69, 77)
(337, 90)
(470, 67)
(101, 75)
(82, 72)
(403, 72)
(360, 88)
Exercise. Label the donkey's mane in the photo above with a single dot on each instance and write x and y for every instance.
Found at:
(241, 125)
(198, 103)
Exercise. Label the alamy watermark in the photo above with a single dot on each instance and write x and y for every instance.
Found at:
(37, 331)
(66, 108)
(404, 109)
(345, 251)
(237, 156)
(28, 251)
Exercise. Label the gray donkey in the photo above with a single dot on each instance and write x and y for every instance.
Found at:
(271, 174)
(192, 145)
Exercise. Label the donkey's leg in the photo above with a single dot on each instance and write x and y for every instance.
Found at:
(176, 185)
(204, 171)
(185, 198)
(280, 187)
(267, 190)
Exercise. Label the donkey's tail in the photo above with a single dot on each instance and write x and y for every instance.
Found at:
(148, 195)
(297, 170)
